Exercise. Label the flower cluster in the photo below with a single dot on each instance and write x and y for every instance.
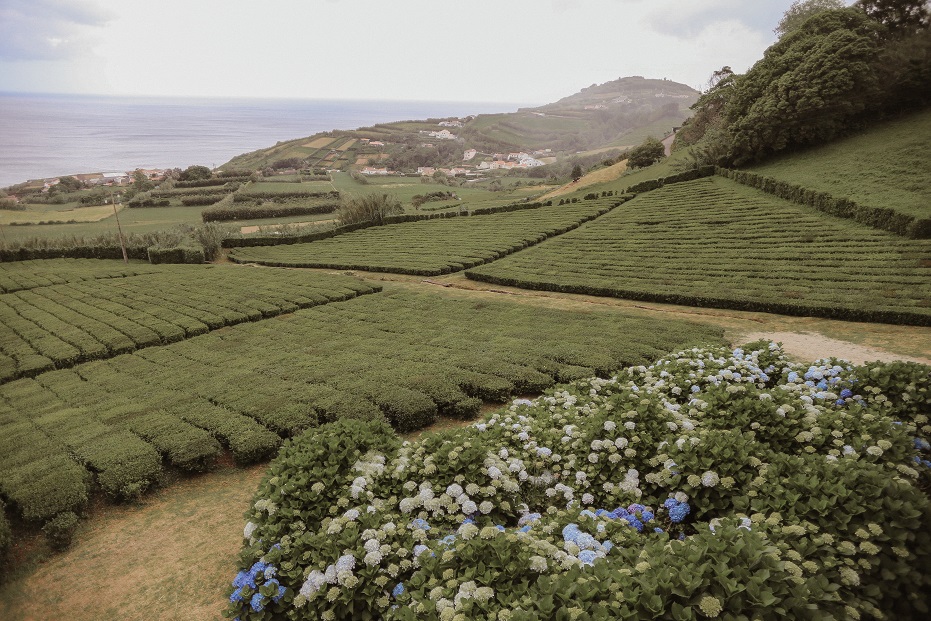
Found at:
(740, 451)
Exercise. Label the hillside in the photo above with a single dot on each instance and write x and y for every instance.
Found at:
(620, 113)
(885, 166)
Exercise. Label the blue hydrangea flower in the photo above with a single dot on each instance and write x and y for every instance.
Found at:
(588, 557)
(420, 523)
(256, 602)
(398, 589)
(678, 512)
(236, 596)
(846, 393)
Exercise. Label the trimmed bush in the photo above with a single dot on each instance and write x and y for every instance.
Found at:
(179, 254)
(60, 530)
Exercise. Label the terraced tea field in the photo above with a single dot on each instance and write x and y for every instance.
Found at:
(59, 325)
(714, 243)
(406, 357)
(431, 247)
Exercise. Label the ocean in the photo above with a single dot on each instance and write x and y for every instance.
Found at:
(50, 135)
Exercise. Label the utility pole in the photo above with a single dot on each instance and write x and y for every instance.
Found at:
(118, 227)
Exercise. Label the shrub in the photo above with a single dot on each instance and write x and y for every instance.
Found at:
(369, 208)
(210, 236)
(60, 530)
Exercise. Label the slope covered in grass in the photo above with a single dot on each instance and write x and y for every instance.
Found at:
(712, 242)
(887, 166)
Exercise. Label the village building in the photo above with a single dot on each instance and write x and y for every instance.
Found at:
(468, 155)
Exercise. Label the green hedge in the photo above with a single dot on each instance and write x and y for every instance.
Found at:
(247, 195)
(81, 252)
(6, 536)
(149, 202)
(876, 217)
(197, 201)
(206, 183)
(264, 210)
(179, 254)
(655, 184)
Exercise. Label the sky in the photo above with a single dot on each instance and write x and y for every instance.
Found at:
(525, 51)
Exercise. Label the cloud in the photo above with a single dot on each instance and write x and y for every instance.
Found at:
(48, 29)
(687, 19)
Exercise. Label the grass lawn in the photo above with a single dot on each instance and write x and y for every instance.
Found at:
(168, 557)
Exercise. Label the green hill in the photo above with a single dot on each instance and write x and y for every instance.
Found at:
(619, 113)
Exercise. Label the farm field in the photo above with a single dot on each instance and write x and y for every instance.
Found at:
(36, 214)
(119, 310)
(403, 357)
(886, 166)
(714, 243)
(430, 247)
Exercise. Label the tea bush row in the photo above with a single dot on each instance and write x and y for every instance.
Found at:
(711, 484)
(905, 224)
(714, 243)
(405, 358)
(252, 193)
(21, 275)
(430, 247)
(252, 211)
(57, 326)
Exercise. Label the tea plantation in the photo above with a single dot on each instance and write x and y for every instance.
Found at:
(711, 484)
(712, 242)
(431, 247)
(116, 424)
(49, 326)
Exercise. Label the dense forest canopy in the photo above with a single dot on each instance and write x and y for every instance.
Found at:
(839, 69)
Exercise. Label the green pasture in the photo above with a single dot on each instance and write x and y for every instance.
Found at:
(277, 187)
(36, 214)
(712, 242)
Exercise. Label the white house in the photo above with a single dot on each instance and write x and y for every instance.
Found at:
(443, 134)
(468, 155)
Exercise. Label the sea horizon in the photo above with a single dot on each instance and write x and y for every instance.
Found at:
(51, 134)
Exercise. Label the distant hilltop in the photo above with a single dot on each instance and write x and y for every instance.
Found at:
(615, 115)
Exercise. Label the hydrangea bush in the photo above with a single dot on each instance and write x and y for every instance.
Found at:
(712, 484)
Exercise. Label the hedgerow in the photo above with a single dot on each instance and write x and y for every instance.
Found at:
(711, 484)
(265, 209)
(430, 247)
(714, 243)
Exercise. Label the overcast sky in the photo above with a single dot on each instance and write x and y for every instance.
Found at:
(524, 51)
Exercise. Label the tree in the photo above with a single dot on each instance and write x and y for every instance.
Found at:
(576, 172)
(141, 182)
(195, 173)
(899, 16)
(809, 87)
(801, 11)
(648, 152)
(70, 184)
